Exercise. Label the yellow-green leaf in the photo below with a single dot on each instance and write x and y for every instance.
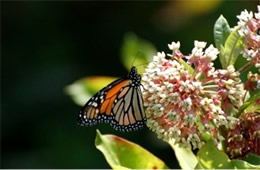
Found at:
(232, 49)
(187, 66)
(136, 51)
(210, 157)
(123, 154)
(81, 90)
(185, 157)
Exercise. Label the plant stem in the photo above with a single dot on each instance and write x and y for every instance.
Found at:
(207, 82)
(210, 92)
(245, 67)
(210, 86)
(244, 97)
(223, 132)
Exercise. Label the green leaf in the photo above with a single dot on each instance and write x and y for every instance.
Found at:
(240, 164)
(210, 157)
(187, 66)
(253, 159)
(136, 51)
(232, 49)
(123, 154)
(251, 103)
(185, 157)
(81, 90)
(221, 32)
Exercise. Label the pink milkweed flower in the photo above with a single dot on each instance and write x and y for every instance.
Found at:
(250, 29)
(184, 105)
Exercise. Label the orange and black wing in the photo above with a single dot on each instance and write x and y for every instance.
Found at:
(120, 104)
(98, 108)
(128, 112)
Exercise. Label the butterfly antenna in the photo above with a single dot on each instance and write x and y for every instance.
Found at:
(138, 53)
(142, 64)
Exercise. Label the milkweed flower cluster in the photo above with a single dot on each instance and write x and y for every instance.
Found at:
(253, 82)
(186, 104)
(245, 136)
(249, 28)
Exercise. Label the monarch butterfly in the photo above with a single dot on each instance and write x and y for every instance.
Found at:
(120, 103)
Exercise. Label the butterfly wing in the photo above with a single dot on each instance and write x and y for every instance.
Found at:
(120, 104)
(128, 109)
(96, 109)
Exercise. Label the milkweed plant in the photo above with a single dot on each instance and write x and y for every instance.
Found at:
(191, 104)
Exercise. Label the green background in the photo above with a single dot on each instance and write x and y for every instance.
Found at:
(47, 45)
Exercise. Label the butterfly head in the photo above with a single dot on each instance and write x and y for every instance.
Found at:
(134, 76)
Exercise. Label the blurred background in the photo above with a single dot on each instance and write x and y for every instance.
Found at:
(48, 45)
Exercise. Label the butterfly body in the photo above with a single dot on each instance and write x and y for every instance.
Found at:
(120, 103)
